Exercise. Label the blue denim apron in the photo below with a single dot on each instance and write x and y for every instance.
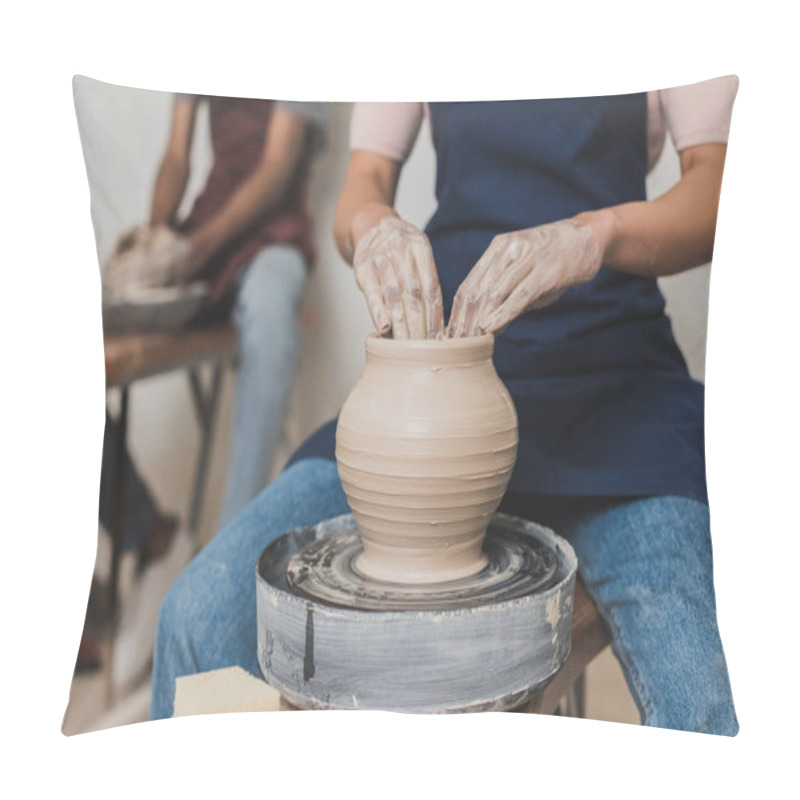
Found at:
(605, 402)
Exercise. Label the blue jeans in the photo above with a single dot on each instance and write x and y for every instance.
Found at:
(266, 317)
(646, 563)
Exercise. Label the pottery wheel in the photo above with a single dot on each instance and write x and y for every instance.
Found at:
(326, 570)
(330, 638)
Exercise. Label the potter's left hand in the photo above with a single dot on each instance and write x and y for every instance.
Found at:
(523, 270)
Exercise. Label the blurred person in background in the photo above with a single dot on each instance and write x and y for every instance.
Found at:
(249, 237)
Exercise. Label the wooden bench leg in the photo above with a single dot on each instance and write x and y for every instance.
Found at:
(117, 531)
(118, 512)
(590, 636)
(205, 406)
(573, 704)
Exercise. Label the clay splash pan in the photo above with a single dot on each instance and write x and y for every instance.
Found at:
(326, 570)
(479, 644)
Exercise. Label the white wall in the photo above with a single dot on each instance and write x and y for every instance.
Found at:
(124, 132)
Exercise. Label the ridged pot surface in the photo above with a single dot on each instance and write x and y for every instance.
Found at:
(425, 446)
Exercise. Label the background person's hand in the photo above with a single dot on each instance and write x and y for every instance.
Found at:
(523, 270)
(146, 258)
(394, 268)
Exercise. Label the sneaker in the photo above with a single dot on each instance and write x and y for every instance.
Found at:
(135, 641)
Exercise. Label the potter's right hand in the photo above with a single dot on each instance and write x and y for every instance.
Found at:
(394, 268)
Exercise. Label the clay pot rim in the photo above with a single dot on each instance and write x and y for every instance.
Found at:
(461, 350)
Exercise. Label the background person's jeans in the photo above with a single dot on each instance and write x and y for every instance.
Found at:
(266, 317)
(647, 563)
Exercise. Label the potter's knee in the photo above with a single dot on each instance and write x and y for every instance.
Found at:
(181, 605)
(716, 717)
(314, 477)
(167, 618)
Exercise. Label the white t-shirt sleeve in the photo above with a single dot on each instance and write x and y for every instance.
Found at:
(699, 113)
(388, 129)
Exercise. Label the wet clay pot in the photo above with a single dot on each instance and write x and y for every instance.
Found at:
(425, 446)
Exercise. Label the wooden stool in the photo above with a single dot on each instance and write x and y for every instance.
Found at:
(590, 636)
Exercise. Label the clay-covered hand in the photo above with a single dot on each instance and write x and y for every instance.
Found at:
(394, 268)
(145, 258)
(523, 270)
